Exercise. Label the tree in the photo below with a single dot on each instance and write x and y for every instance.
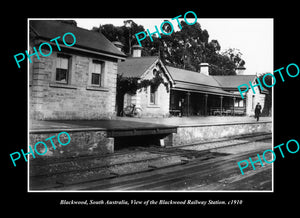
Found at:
(190, 47)
(235, 55)
(186, 48)
(221, 65)
(123, 34)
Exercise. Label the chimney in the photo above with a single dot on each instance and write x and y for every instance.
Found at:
(118, 44)
(136, 51)
(240, 70)
(204, 68)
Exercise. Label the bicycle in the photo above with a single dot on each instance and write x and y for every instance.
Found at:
(132, 111)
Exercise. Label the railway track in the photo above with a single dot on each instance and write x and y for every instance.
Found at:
(96, 171)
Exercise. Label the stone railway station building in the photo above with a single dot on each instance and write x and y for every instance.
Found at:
(79, 82)
(74, 89)
(191, 93)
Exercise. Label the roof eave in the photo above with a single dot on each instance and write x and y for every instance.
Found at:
(87, 50)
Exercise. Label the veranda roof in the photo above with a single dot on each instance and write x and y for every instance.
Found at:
(187, 80)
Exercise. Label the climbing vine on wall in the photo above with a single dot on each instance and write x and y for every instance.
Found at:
(131, 84)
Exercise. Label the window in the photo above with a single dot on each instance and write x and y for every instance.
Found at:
(241, 103)
(62, 69)
(96, 76)
(253, 104)
(153, 95)
(154, 72)
(96, 73)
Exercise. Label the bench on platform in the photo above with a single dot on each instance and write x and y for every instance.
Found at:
(175, 112)
(239, 111)
(227, 112)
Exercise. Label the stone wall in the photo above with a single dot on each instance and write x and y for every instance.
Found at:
(77, 99)
(52, 167)
(82, 143)
(161, 109)
(197, 133)
(142, 97)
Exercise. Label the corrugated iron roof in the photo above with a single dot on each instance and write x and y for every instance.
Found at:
(191, 77)
(95, 41)
(233, 81)
(186, 79)
(196, 82)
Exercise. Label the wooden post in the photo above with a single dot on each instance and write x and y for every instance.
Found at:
(233, 105)
(188, 103)
(221, 98)
(205, 110)
(245, 104)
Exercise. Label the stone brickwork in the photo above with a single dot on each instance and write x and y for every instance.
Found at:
(142, 97)
(78, 99)
(48, 169)
(161, 109)
(82, 143)
(197, 133)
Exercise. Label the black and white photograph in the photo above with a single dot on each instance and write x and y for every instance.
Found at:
(183, 106)
(114, 109)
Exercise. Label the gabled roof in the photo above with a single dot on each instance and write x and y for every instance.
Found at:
(196, 82)
(186, 80)
(233, 81)
(89, 40)
(135, 67)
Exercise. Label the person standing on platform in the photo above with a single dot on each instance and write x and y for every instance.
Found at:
(181, 107)
(257, 111)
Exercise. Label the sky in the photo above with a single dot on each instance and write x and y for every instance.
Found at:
(253, 37)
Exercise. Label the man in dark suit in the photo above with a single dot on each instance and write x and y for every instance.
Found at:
(257, 111)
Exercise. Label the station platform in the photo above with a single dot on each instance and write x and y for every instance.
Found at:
(194, 129)
(97, 137)
(198, 120)
(112, 127)
(130, 123)
(95, 142)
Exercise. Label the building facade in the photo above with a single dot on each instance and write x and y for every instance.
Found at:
(77, 82)
(191, 93)
(154, 102)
